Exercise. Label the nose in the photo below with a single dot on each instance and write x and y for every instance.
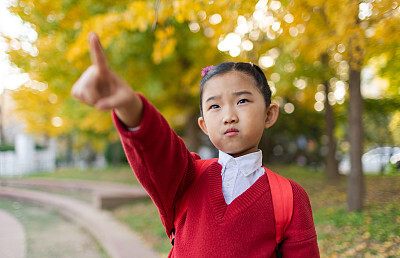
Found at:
(230, 116)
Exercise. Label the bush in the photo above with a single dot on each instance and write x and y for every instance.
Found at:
(115, 155)
(7, 148)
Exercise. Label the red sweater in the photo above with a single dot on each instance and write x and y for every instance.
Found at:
(211, 228)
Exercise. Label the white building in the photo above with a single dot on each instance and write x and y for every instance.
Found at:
(25, 158)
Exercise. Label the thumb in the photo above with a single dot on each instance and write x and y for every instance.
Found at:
(105, 103)
(110, 102)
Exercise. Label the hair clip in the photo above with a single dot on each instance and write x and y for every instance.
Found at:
(206, 69)
(251, 64)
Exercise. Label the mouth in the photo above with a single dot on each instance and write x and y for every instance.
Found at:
(231, 132)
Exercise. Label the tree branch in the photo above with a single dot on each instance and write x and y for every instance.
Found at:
(155, 16)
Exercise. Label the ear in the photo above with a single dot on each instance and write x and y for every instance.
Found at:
(202, 125)
(272, 115)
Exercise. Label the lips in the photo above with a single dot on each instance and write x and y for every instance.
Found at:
(231, 131)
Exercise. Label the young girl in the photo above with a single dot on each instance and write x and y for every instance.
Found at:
(229, 210)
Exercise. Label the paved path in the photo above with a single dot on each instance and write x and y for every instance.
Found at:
(116, 238)
(12, 237)
(104, 195)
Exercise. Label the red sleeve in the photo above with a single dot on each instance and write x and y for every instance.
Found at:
(300, 237)
(159, 159)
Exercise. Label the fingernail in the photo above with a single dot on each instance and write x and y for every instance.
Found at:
(91, 35)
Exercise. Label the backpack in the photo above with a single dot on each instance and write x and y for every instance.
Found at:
(282, 201)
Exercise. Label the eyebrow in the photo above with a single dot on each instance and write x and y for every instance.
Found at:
(243, 92)
(238, 93)
(213, 98)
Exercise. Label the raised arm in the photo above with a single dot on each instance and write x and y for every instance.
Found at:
(156, 154)
(102, 88)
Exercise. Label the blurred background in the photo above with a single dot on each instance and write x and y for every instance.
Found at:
(333, 68)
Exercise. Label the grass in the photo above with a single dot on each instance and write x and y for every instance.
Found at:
(375, 232)
(110, 174)
(142, 216)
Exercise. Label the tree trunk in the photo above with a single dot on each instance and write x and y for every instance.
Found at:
(69, 154)
(331, 162)
(116, 154)
(356, 186)
(2, 127)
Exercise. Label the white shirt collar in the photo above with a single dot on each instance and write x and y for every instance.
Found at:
(247, 164)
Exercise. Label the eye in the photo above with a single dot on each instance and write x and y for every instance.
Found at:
(242, 101)
(213, 107)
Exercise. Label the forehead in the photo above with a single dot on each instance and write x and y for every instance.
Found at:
(230, 82)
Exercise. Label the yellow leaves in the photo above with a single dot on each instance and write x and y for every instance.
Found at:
(332, 10)
(164, 44)
(174, 115)
(366, 235)
(327, 24)
(315, 3)
(73, 17)
(386, 29)
(191, 78)
(64, 37)
(138, 7)
(186, 10)
(35, 107)
(44, 6)
(96, 121)
(342, 196)
(356, 45)
(105, 25)
(45, 43)
(394, 129)
(139, 15)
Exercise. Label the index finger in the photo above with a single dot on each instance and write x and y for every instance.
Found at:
(97, 55)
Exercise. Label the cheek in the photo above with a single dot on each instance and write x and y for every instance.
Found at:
(212, 128)
(256, 123)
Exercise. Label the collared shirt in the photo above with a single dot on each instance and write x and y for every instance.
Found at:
(238, 174)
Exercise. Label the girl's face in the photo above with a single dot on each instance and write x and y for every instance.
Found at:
(235, 114)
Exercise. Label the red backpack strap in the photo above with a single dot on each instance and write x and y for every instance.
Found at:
(282, 201)
(182, 204)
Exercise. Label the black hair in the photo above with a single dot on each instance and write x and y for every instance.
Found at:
(247, 68)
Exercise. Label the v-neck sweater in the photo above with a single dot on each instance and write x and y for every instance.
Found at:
(238, 174)
(210, 227)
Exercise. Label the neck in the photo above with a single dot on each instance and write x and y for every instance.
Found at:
(240, 154)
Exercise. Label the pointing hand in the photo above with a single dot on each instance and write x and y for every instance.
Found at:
(102, 88)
